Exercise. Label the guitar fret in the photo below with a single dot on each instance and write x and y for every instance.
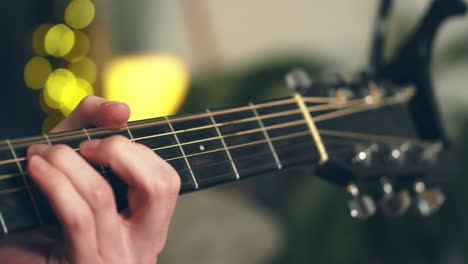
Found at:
(47, 139)
(224, 144)
(182, 152)
(130, 133)
(267, 137)
(3, 223)
(103, 170)
(26, 184)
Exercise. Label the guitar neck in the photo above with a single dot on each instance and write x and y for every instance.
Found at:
(206, 149)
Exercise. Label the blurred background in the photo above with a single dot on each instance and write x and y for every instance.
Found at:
(164, 57)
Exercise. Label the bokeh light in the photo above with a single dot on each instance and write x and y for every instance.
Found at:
(59, 40)
(152, 85)
(36, 72)
(59, 87)
(80, 48)
(38, 39)
(84, 69)
(72, 101)
(44, 107)
(79, 13)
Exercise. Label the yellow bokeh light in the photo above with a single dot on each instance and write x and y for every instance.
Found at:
(79, 13)
(84, 69)
(152, 85)
(44, 107)
(59, 88)
(38, 39)
(85, 86)
(36, 72)
(59, 40)
(80, 48)
(72, 101)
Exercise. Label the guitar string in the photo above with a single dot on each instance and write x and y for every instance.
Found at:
(333, 133)
(96, 132)
(148, 123)
(345, 135)
(370, 101)
(287, 147)
(317, 118)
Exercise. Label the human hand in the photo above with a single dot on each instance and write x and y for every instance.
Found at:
(92, 230)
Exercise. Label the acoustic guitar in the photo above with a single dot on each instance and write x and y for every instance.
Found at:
(358, 133)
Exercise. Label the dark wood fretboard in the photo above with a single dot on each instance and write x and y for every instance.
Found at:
(205, 149)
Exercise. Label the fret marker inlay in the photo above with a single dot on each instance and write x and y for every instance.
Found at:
(224, 144)
(267, 137)
(26, 184)
(182, 152)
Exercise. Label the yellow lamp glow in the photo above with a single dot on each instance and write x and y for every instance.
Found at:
(38, 39)
(79, 13)
(36, 72)
(59, 88)
(80, 48)
(84, 69)
(152, 85)
(59, 40)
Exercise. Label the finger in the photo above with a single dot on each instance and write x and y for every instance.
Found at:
(95, 191)
(71, 210)
(94, 111)
(154, 185)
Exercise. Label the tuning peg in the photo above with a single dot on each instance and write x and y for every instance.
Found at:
(431, 152)
(397, 154)
(299, 81)
(360, 206)
(364, 155)
(394, 203)
(428, 200)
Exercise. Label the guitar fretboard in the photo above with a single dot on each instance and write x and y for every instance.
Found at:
(205, 149)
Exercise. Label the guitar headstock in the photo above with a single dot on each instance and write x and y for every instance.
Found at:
(372, 144)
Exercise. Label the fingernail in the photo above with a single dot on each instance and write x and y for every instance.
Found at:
(89, 145)
(109, 103)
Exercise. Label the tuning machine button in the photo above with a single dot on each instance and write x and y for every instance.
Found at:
(398, 154)
(431, 152)
(299, 81)
(394, 203)
(364, 155)
(428, 200)
(360, 206)
(338, 87)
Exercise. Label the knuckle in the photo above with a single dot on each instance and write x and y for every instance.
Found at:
(174, 181)
(77, 222)
(101, 197)
(164, 183)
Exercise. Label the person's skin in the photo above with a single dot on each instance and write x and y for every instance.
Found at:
(92, 229)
